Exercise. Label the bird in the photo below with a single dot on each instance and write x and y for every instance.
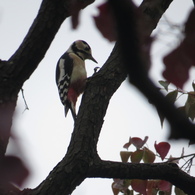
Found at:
(71, 75)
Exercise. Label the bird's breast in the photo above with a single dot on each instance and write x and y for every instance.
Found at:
(79, 71)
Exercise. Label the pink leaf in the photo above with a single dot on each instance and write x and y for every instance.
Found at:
(177, 67)
(105, 22)
(118, 184)
(126, 146)
(75, 20)
(121, 184)
(138, 142)
(180, 60)
(162, 149)
(74, 10)
(164, 186)
(152, 186)
(139, 185)
(115, 190)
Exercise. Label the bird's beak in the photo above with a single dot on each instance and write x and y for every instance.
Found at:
(92, 58)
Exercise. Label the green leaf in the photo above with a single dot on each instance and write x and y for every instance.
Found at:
(137, 156)
(190, 105)
(125, 156)
(172, 96)
(165, 84)
(149, 156)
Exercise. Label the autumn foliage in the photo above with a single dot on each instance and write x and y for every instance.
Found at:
(181, 59)
(177, 66)
(143, 154)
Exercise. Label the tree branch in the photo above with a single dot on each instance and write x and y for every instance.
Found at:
(181, 127)
(165, 171)
(152, 12)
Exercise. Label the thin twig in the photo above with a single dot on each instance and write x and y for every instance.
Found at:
(26, 105)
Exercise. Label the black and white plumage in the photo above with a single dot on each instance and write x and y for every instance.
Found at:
(71, 74)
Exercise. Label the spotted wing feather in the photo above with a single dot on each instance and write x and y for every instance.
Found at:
(63, 76)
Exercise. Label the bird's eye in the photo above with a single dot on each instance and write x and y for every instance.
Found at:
(87, 48)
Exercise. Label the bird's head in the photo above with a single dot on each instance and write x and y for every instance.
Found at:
(83, 50)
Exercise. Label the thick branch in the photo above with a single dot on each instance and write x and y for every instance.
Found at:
(152, 12)
(165, 171)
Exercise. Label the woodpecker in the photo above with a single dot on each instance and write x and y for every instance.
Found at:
(71, 74)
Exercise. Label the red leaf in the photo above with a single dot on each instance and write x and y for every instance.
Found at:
(179, 61)
(152, 187)
(139, 185)
(162, 149)
(138, 142)
(13, 170)
(126, 146)
(164, 186)
(75, 20)
(177, 67)
(74, 9)
(105, 22)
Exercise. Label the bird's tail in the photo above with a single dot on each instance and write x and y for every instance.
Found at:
(72, 109)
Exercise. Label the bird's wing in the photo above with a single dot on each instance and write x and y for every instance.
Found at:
(63, 76)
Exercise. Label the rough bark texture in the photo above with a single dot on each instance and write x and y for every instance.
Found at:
(82, 160)
(170, 171)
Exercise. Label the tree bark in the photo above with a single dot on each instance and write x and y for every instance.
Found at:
(82, 160)
(163, 171)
